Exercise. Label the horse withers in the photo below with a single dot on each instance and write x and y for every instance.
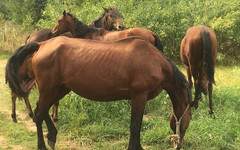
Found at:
(198, 53)
(131, 69)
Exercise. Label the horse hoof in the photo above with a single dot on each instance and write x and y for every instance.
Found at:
(15, 120)
(210, 112)
(51, 144)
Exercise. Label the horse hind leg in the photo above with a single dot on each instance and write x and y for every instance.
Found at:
(137, 108)
(189, 77)
(210, 88)
(13, 115)
(28, 105)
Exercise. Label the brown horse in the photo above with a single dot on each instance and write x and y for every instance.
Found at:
(199, 52)
(131, 69)
(110, 20)
(68, 22)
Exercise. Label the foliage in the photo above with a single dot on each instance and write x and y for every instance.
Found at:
(25, 12)
(168, 19)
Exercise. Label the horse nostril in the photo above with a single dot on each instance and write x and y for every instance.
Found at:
(121, 27)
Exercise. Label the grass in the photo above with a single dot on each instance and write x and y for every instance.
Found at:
(97, 125)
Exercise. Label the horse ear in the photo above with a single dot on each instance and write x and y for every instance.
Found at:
(69, 10)
(64, 13)
(105, 9)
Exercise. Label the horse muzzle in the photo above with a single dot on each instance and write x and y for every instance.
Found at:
(120, 28)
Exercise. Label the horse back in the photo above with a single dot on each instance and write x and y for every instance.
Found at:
(40, 35)
(191, 46)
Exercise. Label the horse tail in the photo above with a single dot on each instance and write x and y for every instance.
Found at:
(27, 39)
(13, 64)
(207, 55)
(158, 43)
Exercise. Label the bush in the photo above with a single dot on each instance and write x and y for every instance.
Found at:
(168, 19)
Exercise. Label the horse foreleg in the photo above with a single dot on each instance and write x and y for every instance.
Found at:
(52, 132)
(13, 115)
(137, 109)
(38, 120)
(55, 113)
(210, 98)
(30, 112)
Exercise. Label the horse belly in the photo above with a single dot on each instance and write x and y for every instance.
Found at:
(101, 94)
(99, 89)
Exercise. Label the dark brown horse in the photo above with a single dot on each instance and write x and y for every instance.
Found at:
(43, 35)
(110, 20)
(131, 69)
(199, 52)
(68, 22)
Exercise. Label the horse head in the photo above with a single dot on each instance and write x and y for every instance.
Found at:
(64, 24)
(113, 19)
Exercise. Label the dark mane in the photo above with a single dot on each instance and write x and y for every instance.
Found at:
(180, 80)
(83, 29)
(97, 21)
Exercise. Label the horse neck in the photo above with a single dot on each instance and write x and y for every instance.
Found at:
(105, 23)
(81, 29)
(178, 93)
(98, 23)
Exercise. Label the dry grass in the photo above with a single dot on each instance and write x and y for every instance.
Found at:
(11, 37)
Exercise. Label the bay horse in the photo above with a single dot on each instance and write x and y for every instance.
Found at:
(198, 52)
(68, 22)
(131, 69)
(110, 20)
